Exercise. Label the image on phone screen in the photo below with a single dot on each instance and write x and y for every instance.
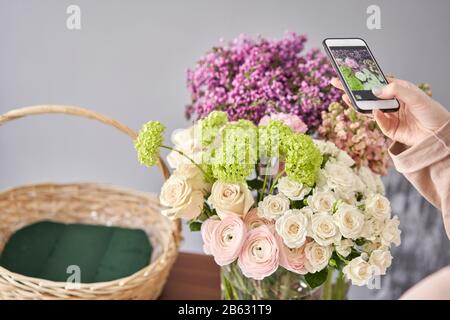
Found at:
(359, 70)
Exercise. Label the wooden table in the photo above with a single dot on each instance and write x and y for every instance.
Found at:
(193, 277)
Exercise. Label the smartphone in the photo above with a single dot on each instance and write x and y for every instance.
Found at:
(359, 73)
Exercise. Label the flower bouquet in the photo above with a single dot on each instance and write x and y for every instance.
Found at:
(284, 215)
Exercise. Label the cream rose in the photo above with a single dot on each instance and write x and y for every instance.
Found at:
(371, 180)
(230, 199)
(293, 228)
(317, 256)
(327, 147)
(372, 228)
(292, 189)
(344, 158)
(194, 176)
(324, 229)
(260, 256)
(182, 200)
(185, 140)
(273, 206)
(381, 260)
(344, 247)
(358, 271)
(340, 178)
(227, 239)
(378, 206)
(391, 232)
(322, 201)
(350, 221)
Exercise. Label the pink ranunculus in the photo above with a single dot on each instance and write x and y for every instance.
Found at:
(292, 259)
(252, 220)
(260, 256)
(292, 121)
(208, 227)
(227, 239)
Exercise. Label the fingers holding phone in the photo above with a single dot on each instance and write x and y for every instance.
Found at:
(359, 74)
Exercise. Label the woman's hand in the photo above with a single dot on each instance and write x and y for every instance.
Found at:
(418, 116)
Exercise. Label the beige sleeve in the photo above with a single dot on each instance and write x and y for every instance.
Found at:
(427, 166)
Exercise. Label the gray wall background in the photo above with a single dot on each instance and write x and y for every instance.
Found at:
(129, 59)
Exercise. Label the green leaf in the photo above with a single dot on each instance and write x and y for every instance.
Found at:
(338, 261)
(195, 225)
(255, 184)
(316, 279)
(297, 204)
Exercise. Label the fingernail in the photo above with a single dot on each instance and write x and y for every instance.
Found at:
(377, 91)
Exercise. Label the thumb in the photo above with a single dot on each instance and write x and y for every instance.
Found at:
(386, 122)
(402, 90)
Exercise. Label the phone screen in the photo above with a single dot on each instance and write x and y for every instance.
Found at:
(359, 70)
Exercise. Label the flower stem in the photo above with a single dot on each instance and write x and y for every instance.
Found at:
(328, 286)
(261, 195)
(341, 287)
(207, 176)
(274, 183)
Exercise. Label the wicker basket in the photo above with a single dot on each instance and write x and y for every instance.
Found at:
(93, 204)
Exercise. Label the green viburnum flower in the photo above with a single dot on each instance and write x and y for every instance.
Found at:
(303, 159)
(149, 142)
(211, 125)
(274, 139)
(235, 158)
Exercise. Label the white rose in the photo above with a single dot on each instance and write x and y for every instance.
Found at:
(292, 189)
(327, 147)
(293, 228)
(230, 199)
(344, 158)
(273, 206)
(372, 228)
(317, 256)
(391, 232)
(340, 177)
(350, 221)
(195, 177)
(185, 140)
(381, 260)
(344, 247)
(368, 247)
(182, 200)
(321, 201)
(358, 271)
(378, 206)
(323, 229)
(372, 181)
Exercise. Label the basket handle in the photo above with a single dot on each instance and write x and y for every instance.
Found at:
(80, 112)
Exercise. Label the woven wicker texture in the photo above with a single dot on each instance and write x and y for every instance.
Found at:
(92, 204)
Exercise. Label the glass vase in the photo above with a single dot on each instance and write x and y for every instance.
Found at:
(282, 285)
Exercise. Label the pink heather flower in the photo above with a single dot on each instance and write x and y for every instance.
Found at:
(250, 78)
(292, 121)
(351, 63)
(227, 239)
(252, 220)
(292, 259)
(260, 255)
(207, 230)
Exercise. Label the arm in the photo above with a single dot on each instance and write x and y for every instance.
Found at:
(427, 166)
